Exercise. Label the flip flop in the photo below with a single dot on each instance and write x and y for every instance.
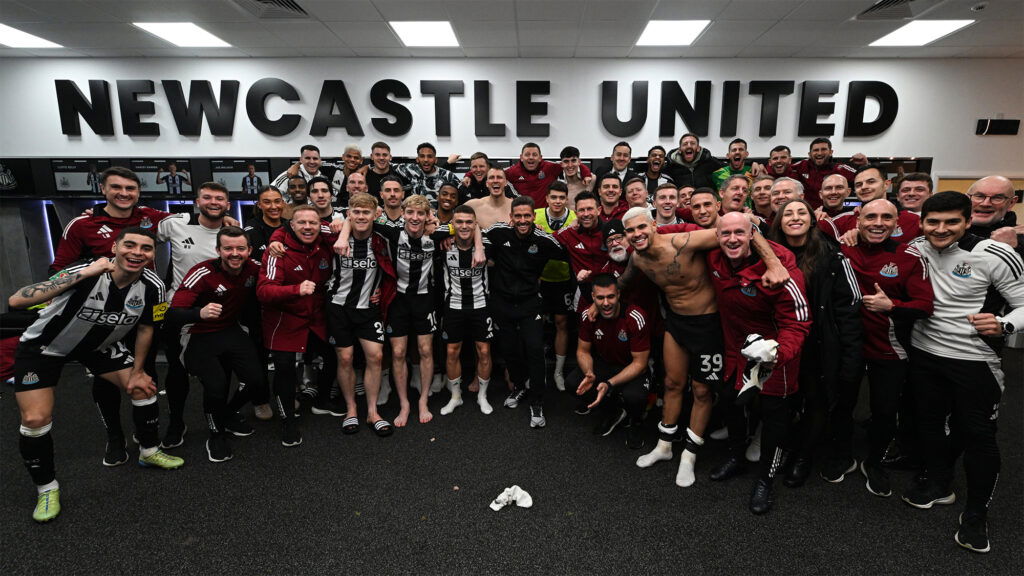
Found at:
(350, 425)
(382, 427)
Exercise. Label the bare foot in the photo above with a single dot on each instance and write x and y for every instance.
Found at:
(403, 417)
(425, 416)
(474, 386)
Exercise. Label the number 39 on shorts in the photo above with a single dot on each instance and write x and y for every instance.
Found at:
(710, 363)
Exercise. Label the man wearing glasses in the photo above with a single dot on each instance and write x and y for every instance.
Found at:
(992, 200)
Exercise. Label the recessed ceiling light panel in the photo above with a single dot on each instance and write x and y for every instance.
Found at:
(425, 34)
(671, 32)
(14, 38)
(921, 32)
(183, 34)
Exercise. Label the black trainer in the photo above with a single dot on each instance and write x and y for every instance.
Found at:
(799, 472)
(328, 407)
(973, 533)
(834, 470)
(926, 494)
(218, 449)
(175, 435)
(729, 469)
(237, 425)
(291, 436)
(116, 452)
(608, 424)
(877, 479)
(582, 408)
(635, 435)
(761, 497)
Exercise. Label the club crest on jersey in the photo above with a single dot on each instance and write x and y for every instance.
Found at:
(962, 270)
(623, 336)
(145, 222)
(323, 264)
(890, 270)
(134, 303)
(897, 232)
(29, 379)
(533, 249)
(540, 175)
(749, 290)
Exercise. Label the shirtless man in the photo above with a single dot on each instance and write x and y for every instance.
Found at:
(496, 207)
(693, 335)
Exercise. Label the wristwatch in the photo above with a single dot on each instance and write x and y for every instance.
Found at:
(1008, 328)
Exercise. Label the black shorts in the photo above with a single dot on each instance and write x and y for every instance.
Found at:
(701, 335)
(411, 314)
(557, 297)
(462, 325)
(346, 325)
(34, 370)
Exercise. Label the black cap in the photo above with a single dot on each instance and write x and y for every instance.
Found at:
(612, 228)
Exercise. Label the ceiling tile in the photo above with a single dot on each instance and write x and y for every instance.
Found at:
(176, 52)
(310, 34)
(65, 11)
(545, 52)
(987, 33)
(486, 34)
(769, 51)
(711, 51)
(246, 34)
(657, 51)
(547, 34)
(688, 10)
(95, 35)
(326, 51)
(274, 52)
(177, 11)
(436, 52)
(618, 11)
(832, 10)
(18, 53)
(818, 51)
(994, 10)
(989, 52)
(380, 52)
(111, 52)
(478, 11)
(854, 33)
(732, 33)
(412, 10)
(758, 9)
(56, 53)
(611, 33)
(342, 11)
(564, 12)
(922, 52)
(602, 51)
(491, 51)
(13, 13)
(365, 34)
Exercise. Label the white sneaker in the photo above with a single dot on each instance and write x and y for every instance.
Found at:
(559, 379)
(753, 453)
(537, 417)
(721, 434)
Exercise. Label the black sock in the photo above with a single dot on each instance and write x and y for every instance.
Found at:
(147, 419)
(107, 397)
(177, 394)
(37, 452)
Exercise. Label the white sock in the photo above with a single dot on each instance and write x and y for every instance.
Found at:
(437, 384)
(558, 376)
(146, 452)
(481, 397)
(685, 477)
(455, 386)
(662, 451)
(47, 487)
(385, 390)
(753, 453)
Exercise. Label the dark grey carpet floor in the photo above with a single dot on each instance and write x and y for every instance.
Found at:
(418, 503)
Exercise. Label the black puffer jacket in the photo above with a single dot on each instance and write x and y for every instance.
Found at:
(698, 176)
(833, 350)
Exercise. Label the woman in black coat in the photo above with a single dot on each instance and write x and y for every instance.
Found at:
(832, 357)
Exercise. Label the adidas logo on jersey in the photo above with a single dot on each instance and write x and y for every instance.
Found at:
(580, 246)
(298, 268)
(506, 244)
(105, 231)
(98, 297)
(220, 290)
(188, 243)
(598, 333)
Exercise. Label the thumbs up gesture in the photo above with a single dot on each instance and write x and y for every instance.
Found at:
(878, 302)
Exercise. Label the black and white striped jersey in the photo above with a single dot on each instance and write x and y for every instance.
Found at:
(95, 313)
(413, 257)
(191, 244)
(354, 277)
(251, 185)
(465, 285)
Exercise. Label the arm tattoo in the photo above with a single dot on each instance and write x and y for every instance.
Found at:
(49, 286)
(673, 268)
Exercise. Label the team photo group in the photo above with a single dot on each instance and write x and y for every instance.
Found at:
(676, 296)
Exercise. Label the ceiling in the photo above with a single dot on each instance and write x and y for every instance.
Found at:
(513, 28)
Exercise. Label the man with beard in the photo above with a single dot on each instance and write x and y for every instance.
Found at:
(497, 205)
(556, 284)
(321, 192)
(611, 358)
(392, 194)
(307, 167)
(871, 183)
(297, 194)
(380, 167)
(736, 165)
(653, 177)
(912, 190)
(424, 176)
(351, 163)
(585, 245)
(780, 163)
(992, 200)
(691, 165)
(693, 341)
(820, 164)
(532, 175)
(208, 307)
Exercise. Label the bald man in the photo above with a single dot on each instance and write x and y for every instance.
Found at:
(871, 183)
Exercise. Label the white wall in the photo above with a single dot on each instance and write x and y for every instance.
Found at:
(940, 103)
